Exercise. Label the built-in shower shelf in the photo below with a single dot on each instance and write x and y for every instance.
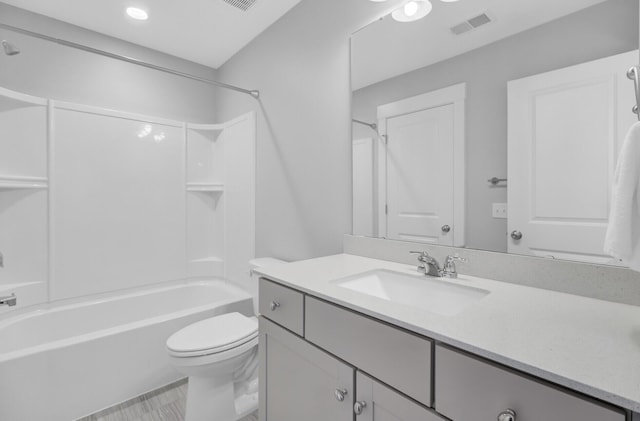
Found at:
(205, 127)
(11, 100)
(209, 131)
(205, 187)
(16, 183)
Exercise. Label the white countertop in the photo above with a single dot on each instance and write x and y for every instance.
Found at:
(585, 344)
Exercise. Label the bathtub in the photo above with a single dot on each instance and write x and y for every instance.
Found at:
(62, 361)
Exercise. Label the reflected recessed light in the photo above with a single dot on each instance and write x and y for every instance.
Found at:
(137, 13)
(412, 11)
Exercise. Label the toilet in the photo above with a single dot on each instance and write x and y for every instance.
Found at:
(220, 357)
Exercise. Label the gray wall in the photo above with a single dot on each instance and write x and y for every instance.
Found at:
(52, 71)
(301, 67)
(602, 30)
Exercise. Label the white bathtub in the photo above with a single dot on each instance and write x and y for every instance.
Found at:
(61, 362)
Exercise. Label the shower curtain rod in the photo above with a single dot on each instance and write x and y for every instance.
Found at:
(373, 126)
(253, 93)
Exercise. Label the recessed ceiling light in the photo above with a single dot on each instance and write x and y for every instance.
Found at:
(412, 11)
(137, 13)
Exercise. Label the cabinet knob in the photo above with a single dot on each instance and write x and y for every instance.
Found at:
(507, 415)
(274, 305)
(358, 407)
(446, 228)
(340, 394)
(516, 235)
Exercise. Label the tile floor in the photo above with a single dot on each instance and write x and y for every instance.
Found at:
(164, 404)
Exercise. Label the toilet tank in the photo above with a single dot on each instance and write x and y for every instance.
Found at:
(261, 262)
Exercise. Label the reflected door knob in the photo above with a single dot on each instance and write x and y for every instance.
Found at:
(516, 235)
(446, 228)
(274, 305)
(340, 394)
(358, 407)
(507, 415)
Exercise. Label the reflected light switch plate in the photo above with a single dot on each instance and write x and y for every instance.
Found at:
(500, 210)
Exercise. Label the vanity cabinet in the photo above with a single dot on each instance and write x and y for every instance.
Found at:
(321, 361)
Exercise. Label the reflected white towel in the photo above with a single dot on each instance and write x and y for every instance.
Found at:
(623, 233)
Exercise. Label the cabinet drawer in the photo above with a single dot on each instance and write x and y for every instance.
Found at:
(398, 358)
(282, 305)
(468, 389)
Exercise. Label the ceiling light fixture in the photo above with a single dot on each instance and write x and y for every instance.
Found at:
(412, 11)
(137, 13)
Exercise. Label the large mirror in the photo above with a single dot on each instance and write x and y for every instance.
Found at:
(493, 124)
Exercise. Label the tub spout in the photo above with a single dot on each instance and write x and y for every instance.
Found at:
(10, 300)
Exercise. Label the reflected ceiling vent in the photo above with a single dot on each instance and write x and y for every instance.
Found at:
(471, 24)
(243, 5)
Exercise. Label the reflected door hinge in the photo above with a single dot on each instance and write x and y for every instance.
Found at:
(386, 209)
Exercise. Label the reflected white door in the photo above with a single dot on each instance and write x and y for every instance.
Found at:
(419, 164)
(363, 187)
(565, 130)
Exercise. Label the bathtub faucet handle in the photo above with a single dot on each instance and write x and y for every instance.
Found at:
(10, 300)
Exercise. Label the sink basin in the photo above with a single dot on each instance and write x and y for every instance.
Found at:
(431, 294)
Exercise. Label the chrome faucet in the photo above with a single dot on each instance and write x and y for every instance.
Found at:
(430, 266)
(10, 300)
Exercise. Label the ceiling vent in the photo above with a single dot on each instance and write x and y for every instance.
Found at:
(243, 5)
(471, 24)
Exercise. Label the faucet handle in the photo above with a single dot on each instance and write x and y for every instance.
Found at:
(449, 269)
(422, 255)
(456, 257)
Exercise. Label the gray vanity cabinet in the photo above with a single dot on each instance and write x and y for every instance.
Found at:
(323, 362)
(377, 402)
(299, 382)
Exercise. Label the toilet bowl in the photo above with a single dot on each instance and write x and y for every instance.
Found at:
(214, 352)
(220, 357)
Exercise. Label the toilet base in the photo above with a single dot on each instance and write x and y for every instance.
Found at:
(212, 399)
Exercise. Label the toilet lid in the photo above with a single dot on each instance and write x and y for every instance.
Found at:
(215, 334)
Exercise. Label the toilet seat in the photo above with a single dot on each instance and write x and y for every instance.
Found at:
(223, 333)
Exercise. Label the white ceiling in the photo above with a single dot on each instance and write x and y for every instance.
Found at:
(388, 48)
(208, 32)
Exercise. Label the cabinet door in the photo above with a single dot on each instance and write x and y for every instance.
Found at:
(384, 404)
(300, 382)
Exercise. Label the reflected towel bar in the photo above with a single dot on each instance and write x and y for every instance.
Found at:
(496, 180)
(633, 74)
(373, 126)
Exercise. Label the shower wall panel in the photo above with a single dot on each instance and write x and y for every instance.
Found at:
(118, 213)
